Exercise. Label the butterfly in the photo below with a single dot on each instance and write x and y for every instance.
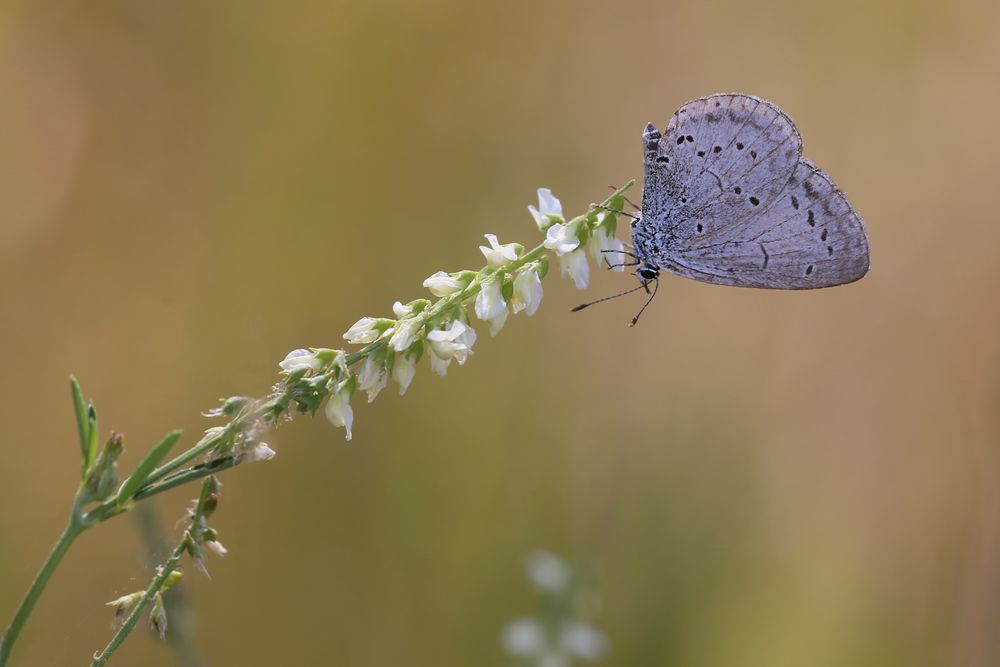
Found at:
(728, 199)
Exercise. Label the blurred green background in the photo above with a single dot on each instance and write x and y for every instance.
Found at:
(188, 190)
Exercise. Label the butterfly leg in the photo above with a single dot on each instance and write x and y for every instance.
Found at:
(620, 252)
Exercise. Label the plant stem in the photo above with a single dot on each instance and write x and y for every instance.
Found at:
(72, 530)
(147, 597)
(178, 604)
(167, 476)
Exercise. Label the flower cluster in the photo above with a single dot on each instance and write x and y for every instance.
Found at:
(442, 330)
(558, 635)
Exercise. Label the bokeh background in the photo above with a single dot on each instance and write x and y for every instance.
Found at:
(188, 190)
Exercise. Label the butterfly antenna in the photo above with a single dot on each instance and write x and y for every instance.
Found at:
(615, 211)
(607, 298)
(656, 286)
(632, 203)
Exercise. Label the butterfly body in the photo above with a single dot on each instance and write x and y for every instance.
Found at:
(728, 199)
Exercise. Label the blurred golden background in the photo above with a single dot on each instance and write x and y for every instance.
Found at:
(189, 190)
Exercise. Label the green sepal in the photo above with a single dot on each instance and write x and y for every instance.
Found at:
(543, 266)
(146, 466)
(416, 306)
(507, 287)
(172, 580)
(102, 477)
(82, 425)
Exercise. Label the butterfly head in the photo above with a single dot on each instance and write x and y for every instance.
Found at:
(647, 272)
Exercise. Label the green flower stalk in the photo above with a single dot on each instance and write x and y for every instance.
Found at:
(442, 330)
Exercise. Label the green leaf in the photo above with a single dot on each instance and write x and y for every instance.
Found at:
(92, 432)
(82, 426)
(146, 466)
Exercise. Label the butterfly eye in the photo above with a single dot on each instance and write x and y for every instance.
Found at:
(649, 273)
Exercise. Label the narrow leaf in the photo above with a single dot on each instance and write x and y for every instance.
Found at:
(146, 466)
(92, 431)
(82, 426)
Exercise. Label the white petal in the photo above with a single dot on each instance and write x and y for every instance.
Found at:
(439, 365)
(372, 378)
(575, 264)
(547, 571)
(584, 641)
(260, 452)
(362, 331)
(547, 203)
(497, 255)
(299, 359)
(339, 412)
(527, 292)
(523, 638)
(604, 247)
(562, 238)
(497, 322)
(216, 547)
(489, 301)
(540, 220)
(405, 334)
(403, 371)
(442, 284)
(400, 310)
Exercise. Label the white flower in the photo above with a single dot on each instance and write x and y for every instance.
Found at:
(439, 365)
(583, 641)
(524, 638)
(600, 243)
(527, 292)
(400, 310)
(576, 265)
(404, 334)
(299, 359)
(490, 305)
(363, 331)
(403, 369)
(216, 547)
(496, 324)
(497, 255)
(549, 209)
(547, 571)
(443, 284)
(372, 377)
(260, 452)
(562, 238)
(455, 342)
(339, 412)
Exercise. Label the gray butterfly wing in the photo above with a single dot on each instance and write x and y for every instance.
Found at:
(729, 200)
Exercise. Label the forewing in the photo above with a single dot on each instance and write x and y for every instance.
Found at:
(719, 160)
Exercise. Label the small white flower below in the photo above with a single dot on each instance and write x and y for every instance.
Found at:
(575, 264)
(404, 367)
(527, 292)
(497, 255)
(299, 359)
(549, 209)
(372, 378)
(443, 284)
(362, 332)
(490, 305)
(339, 412)
(609, 248)
(562, 238)
(547, 571)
